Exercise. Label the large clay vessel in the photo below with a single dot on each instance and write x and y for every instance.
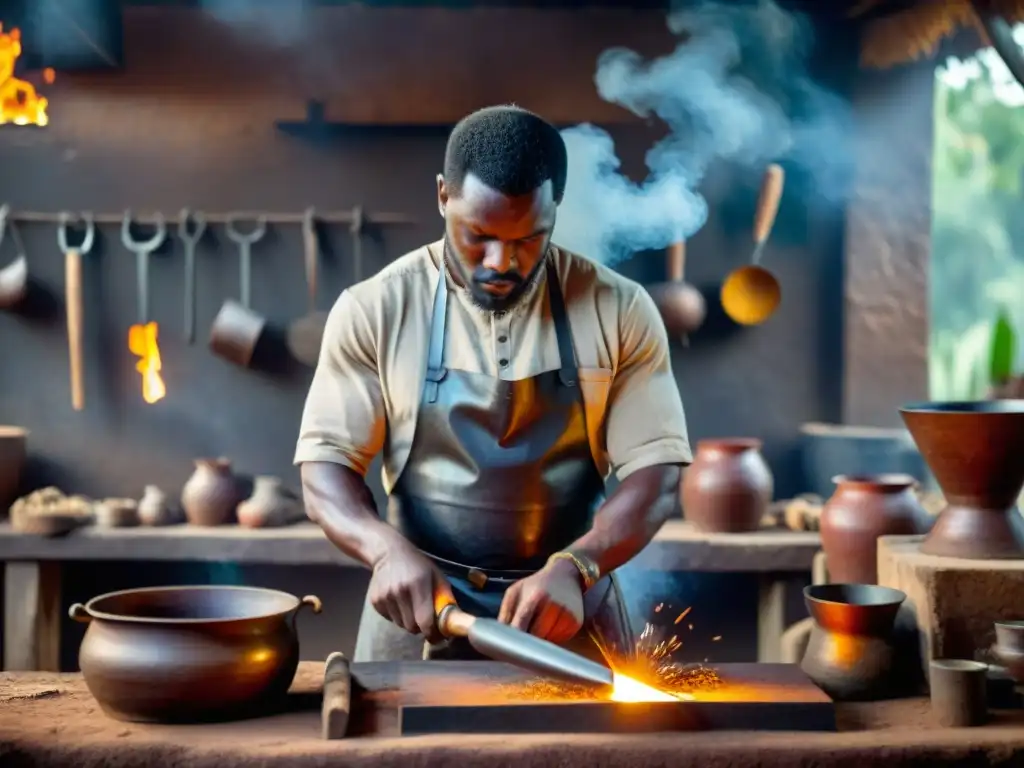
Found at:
(212, 494)
(851, 652)
(190, 654)
(862, 508)
(13, 451)
(728, 487)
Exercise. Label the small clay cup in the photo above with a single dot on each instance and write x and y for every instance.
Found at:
(959, 692)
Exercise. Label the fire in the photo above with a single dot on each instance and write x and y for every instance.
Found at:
(628, 689)
(142, 341)
(19, 102)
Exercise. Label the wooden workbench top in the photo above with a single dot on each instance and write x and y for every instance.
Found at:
(677, 547)
(51, 720)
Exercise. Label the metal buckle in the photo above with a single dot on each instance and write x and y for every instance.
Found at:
(477, 578)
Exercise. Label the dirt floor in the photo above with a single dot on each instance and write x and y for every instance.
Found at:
(52, 720)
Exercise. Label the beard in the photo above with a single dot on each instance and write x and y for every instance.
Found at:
(482, 276)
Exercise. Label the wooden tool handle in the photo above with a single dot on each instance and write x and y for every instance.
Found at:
(454, 622)
(768, 202)
(337, 697)
(677, 261)
(312, 254)
(73, 307)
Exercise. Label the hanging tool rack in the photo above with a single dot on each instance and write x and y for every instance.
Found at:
(356, 214)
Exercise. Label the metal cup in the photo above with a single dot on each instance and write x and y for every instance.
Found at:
(959, 692)
(235, 331)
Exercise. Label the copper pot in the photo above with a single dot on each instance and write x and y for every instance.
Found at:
(189, 654)
(728, 487)
(862, 509)
(851, 652)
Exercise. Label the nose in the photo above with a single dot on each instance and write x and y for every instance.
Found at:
(499, 256)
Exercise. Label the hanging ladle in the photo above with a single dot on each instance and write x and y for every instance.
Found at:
(751, 294)
(682, 306)
(13, 277)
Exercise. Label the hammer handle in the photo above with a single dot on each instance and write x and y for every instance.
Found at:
(337, 697)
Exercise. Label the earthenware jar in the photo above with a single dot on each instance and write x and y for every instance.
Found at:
(1008, 649)
(862, 508)
(271, 504)
(728, 487)
(13, 441)
(211, 495)
(156, 509)
(851, 651)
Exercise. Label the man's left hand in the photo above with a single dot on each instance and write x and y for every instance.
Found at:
(548, 604)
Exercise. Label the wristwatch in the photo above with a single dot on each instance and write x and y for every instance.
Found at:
(590, 571)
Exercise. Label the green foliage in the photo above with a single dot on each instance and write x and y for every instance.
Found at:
(977, 237)
(1003, 351)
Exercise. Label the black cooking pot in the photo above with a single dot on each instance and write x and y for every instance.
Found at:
(190, 654)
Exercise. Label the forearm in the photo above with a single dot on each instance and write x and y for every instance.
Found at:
(338, 500)
(631, 516)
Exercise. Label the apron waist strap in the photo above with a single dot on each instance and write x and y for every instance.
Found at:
(480, 578)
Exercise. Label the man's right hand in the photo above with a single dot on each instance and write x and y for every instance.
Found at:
(407, 588)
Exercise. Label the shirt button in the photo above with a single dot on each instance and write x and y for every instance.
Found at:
(503, 363)
(502, 339)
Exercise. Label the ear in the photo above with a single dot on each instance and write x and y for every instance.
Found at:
(442, 195)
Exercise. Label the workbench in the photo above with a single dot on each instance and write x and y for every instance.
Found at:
(50, 720)
(33, 610)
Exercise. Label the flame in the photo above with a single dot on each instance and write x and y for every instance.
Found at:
(142, 341)
(19, 102)
(628, 689)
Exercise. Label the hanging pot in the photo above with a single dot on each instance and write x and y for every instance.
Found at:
(682, 306)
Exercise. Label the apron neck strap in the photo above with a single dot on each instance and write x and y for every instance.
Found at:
(435, 355)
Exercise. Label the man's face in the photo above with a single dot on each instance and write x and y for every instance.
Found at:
(497, 242)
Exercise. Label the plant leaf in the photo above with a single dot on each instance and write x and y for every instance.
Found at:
(1003, 350)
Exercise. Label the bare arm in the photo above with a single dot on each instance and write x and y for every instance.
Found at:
(631, 516)
(646, 441)
(338, 500)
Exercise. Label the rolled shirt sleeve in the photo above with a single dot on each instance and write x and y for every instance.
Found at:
(344, 419)
(646, 424)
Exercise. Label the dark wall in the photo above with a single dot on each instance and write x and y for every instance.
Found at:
(115, 143)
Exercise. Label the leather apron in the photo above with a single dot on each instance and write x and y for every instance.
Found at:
(500, 476)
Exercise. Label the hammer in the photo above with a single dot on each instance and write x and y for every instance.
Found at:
(504, 643)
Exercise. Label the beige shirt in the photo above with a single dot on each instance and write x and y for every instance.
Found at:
(367, 387)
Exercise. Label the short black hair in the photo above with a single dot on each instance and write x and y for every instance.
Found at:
(509, 149)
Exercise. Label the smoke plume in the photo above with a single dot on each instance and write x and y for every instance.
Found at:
(281, 24)
(735, 89)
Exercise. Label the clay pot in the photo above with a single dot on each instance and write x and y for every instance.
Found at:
(728, 487)
(189, 654)
(211, 495)
(851, 650)
(271, 504)
(155, 508)
(862, 508)
(13, 452)
(1009, 648)
(117, 513)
